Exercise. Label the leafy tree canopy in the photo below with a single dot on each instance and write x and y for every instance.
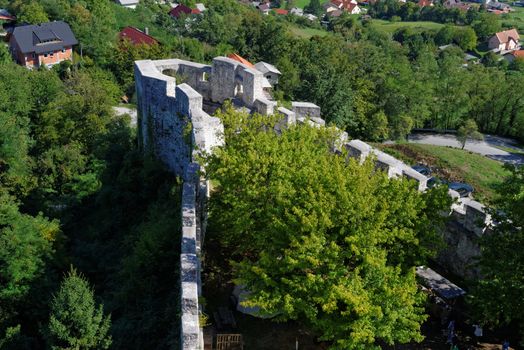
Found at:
(324, 239)
(468, 131)
(26, 244)
(498, 296)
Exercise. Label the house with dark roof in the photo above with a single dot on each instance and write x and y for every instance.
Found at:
(456, 4)
(6, 16)
(137, 37)
(264, 8)
(43, 44)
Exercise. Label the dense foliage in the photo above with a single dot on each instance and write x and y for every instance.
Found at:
(357, 74)
(324, 240)
(75, 190)
(498, 296)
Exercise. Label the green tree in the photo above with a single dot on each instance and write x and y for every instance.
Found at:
(378, 125)
(445, 35)
(490, 59)
(402, 126)
(497, 298)
(32, 13)
(326, 241)
(124, 58)
(314, 7)
(75, 321)
(26, 245)
(486, 25)
(468, 131)
(465, 38)
(5, 56)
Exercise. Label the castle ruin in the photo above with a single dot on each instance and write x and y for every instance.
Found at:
(175, 123)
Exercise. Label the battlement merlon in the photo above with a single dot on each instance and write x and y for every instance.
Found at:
(172, 122)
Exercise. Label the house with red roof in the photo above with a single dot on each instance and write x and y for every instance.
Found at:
(425, 3)
(507, 40)
(281, 12)
(181, 9)
(512, 56)
(350, 6)
(137, 37)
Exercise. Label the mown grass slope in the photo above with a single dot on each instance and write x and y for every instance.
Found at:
(454, 164)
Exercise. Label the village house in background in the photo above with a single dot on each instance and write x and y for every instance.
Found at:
(132, 4)
(425, 3)
(46, 44)
(137, 37)
(6, 16)
(497, 7)
(512, 56)
(456, 4)
(179, 10)
(502, 42)
(335, 8)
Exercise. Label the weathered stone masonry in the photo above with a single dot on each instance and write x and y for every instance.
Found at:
(175, 126)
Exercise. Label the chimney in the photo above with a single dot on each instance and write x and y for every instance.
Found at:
(146, 30)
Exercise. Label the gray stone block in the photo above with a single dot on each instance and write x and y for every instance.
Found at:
(305, 109)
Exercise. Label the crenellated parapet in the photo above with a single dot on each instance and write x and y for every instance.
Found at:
(470, 213)
(175, 99)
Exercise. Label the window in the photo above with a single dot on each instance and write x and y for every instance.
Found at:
(63, 50)
(45, 55)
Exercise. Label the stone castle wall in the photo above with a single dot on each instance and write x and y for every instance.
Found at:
(174, 126)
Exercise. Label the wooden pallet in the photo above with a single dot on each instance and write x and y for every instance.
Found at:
(229, 342)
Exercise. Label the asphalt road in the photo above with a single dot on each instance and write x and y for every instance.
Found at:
(485, 147)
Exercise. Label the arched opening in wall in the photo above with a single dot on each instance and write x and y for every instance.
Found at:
(171, 73)
(205, 76)
(239, 90)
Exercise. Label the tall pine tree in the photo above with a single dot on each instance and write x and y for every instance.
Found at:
(76, 322)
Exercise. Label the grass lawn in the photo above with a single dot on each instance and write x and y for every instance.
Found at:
(454, 165)
(390, 27)
(514, 19)
(300, 3)
(141, 19)
(511, 150)
(308, 32)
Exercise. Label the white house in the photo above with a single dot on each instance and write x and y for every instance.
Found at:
(128, 3)
(200, 6)
(350, 6)
(507, 40)
(297, 11)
